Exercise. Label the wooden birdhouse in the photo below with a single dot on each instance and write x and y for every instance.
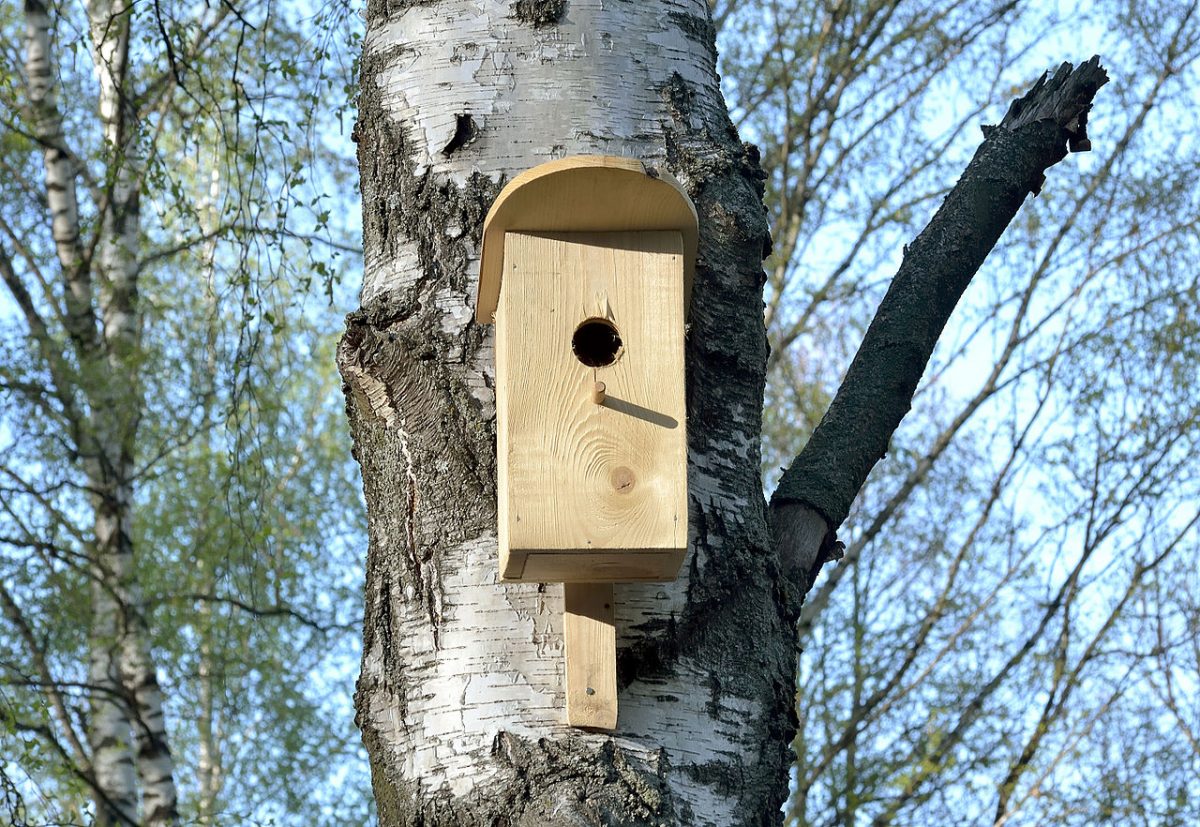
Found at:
(586, 268)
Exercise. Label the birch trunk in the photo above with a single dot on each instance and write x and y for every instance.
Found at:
(101, 399)
(109, 733)
(116, 417)
(209, 760)
(460, 699)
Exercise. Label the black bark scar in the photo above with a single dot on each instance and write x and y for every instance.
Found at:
(465, 132)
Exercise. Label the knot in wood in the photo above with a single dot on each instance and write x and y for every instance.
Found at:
(622, 479)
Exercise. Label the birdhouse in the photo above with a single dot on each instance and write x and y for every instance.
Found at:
(586, 268)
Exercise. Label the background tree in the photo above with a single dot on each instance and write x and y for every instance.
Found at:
(461, 689)
(173, 493)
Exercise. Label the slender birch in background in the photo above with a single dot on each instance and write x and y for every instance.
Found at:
(102, 321)
(161, 502)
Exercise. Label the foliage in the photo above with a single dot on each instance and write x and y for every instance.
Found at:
(246, 547)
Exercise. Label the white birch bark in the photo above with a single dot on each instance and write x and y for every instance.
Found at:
(109, 21)
(116, 422)
(156, 769)
(60, 167)
(461, 694)
(109, 733)
(209, 763)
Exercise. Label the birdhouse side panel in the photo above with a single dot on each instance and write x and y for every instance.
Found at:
(592, 490)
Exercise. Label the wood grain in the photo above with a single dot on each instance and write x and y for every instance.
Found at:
(590, 641)
(591, 492)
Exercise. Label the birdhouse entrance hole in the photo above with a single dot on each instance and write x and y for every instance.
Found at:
(596, 342)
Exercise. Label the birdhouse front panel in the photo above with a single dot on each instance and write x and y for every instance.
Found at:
(591, 430)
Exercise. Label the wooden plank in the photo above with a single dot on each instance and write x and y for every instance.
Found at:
(582, 193)
(588, 566)
(576, 477)
(590, 645)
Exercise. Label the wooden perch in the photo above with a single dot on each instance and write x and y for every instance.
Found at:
(815, 493)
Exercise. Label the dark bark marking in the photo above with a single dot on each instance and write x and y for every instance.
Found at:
(696, 26)
(385, 9)
(539, 13)
(465, 132)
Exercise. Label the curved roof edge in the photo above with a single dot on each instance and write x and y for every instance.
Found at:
(583, 193)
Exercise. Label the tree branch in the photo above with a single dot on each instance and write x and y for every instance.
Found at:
(819, 487)
(258, 611)
(61, 372)
(10, 609)
(88, 778)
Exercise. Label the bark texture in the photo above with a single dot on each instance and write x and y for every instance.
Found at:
(461, 695)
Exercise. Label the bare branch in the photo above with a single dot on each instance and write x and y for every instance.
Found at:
(878, 389)
(50, 687)
(261, 611)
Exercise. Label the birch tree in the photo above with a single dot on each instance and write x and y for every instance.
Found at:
(100, 320)
(165, 465)
(460, 696)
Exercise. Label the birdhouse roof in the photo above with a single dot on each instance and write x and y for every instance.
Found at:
(583, 193)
